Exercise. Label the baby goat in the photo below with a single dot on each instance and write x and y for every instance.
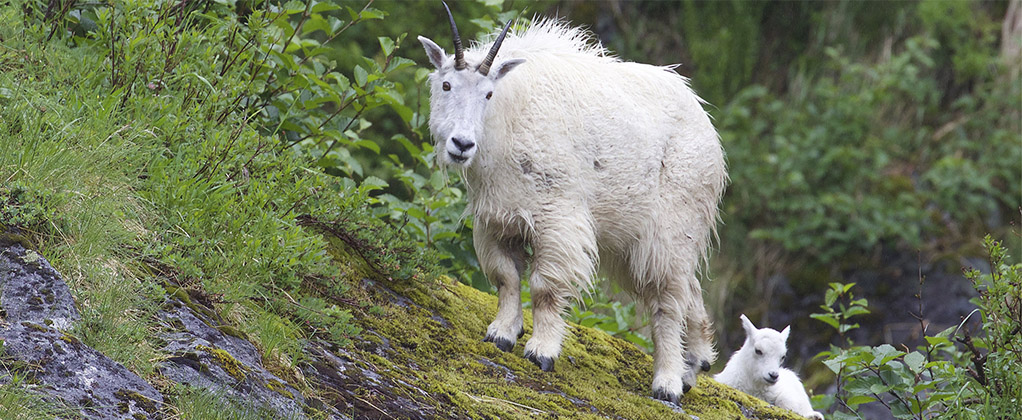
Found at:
(756, 370)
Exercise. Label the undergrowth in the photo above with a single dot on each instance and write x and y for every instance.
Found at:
(146, 145)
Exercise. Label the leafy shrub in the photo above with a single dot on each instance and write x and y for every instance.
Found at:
(955, 375)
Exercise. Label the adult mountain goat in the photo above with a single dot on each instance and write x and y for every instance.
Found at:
(590, 162)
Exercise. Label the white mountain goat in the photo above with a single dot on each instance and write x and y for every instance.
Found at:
(590, 162)
(756, 370)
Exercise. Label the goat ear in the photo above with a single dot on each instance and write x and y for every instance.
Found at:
(747, 325)
(505, 67)
(434, 52)
(785, 332)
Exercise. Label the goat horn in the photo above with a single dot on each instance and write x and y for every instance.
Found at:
(459, 53)
(484, 68)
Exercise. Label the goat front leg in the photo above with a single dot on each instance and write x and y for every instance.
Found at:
(502, 262)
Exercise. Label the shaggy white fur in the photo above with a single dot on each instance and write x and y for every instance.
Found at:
(756, 370)
(592, 163)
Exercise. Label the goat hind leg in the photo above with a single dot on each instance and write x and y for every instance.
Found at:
(699, 352)
(669, 367)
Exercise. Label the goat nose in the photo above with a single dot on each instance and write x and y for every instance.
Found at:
(773, 376)
(463, 145)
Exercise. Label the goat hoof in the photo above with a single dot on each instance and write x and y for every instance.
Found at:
(705, 365)
(663, 394)
(685, 388)
(544, 363)
(521, 332)
(503, 344)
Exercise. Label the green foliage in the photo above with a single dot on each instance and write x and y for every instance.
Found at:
(197, 404)
(837, 317)
(866, 157)
(23, 209)
(150, 143)
(977, 378)
(610, 316)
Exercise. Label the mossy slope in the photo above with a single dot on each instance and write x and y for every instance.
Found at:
(429, 341)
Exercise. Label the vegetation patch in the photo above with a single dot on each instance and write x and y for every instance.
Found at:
(226, 362)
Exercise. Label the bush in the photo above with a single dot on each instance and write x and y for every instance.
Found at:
(955, 375)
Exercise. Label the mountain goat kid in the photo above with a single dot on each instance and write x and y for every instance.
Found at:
(588, 161)
(756, 370)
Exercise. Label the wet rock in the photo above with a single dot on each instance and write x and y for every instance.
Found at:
(37, 304)
(210, 355)
(357, 388)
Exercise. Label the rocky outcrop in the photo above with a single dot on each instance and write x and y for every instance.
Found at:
(419, 355)
(37, 309)
(206, 353)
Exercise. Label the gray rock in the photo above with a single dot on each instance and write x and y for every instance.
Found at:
(34, 298)
(204, 356)
(31, 290)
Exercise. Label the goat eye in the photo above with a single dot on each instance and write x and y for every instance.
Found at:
(758, 352)
(447, 86)
(489, 95)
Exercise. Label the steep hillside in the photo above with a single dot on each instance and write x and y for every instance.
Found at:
(161, 256)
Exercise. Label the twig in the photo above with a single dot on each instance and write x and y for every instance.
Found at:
(978, 360)
(371, 404)
(488, 399)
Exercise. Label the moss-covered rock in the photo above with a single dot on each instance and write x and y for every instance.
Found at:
(427, 351)
(425, 354)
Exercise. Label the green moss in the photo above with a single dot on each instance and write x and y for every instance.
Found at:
(279, 388)
(224, 359)
(231, 331)
(182, 295)
(141, 401)
(69, 339)
(34, 326)
(439, 334)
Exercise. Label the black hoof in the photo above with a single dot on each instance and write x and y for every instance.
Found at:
(502, 343)
(521, 332)
(705, 365)
(686, 388)
(663, 394)
(544, 363)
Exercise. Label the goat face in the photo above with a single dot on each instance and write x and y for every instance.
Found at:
(458, 97)
(768, 348)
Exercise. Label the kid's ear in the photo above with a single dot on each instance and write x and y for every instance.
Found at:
(784, 333)
(747, 325)
(505, 67)
(434, 52)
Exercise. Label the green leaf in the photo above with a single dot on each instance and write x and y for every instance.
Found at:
(324, 6)
(372, 183)
(361, 76)
(387, 45)
(826, 318)
(915, 361)
(371, 13)
(830, 297)
(885, 353)
(860, 399)
(369, 144)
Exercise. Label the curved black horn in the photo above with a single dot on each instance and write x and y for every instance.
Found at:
(484, 68)
(459, 53)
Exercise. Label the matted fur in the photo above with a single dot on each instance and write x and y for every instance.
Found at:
(593, 162)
